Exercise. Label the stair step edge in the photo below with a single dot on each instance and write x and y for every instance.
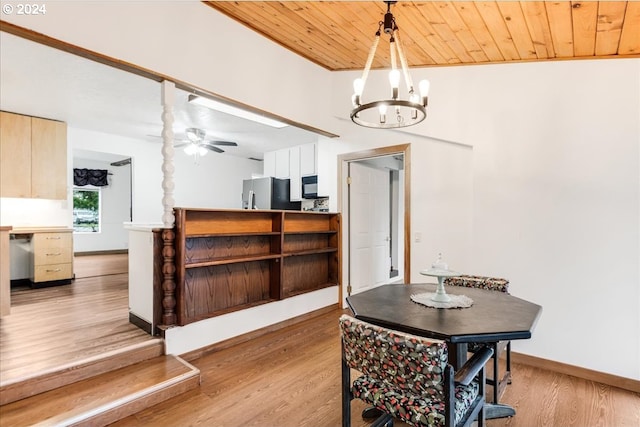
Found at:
(81, 362)
(124, 400)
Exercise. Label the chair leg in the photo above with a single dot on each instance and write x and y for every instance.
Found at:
(496, 377)
(482, 381)
(509, 362)
(346, 395)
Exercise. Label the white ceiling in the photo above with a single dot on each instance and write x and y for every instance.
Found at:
(42, 81)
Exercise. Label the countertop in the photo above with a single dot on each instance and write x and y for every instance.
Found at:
(32, 230)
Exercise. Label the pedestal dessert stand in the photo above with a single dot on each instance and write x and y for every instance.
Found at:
(440, 269)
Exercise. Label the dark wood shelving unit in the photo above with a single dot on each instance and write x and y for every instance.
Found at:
(229, 260)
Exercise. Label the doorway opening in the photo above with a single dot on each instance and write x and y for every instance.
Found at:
(375, 201)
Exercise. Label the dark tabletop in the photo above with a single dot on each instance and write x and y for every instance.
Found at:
(494, 316)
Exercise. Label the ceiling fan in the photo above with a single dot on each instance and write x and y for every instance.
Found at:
(195, 143)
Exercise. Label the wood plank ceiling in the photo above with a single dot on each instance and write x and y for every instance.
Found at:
(338, 34)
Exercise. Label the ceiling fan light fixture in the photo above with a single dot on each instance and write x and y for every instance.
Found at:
(196, 150)
(394, 112)
(235, 111)
(195, 134)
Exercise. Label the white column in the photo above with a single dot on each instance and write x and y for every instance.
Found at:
(168, 186)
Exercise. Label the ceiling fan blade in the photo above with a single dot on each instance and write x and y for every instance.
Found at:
(225, 143)
(212, 148)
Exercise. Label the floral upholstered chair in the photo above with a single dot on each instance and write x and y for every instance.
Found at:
(491, 284)
(408, 378)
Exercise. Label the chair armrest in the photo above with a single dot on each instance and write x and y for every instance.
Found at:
(469, 370)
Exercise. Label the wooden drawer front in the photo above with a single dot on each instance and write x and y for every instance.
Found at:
(46, 273)
(46, 256)
(43, 241)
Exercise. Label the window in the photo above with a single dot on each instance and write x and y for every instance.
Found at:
(86, 210)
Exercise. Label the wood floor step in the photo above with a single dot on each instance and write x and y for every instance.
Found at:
(42, 381)
(105, 398)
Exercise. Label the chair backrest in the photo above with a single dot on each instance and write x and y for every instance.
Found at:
(403, 361)
(481, 282)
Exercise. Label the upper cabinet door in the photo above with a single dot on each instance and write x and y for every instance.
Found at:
(15, 155)
(48, 159)
(295, 192)
(269, 164)
(282, 163)
(308, 160)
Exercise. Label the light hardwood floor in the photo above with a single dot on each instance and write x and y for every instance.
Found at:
(291, 377)
(53, 326)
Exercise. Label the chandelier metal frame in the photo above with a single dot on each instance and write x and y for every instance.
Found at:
(405, 112)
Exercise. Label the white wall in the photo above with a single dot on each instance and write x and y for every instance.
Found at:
(115, 202)
(146, 162)
(215, 181)
(28, 212)
(141, 273)
(556, 194)
(555, 204)
(441, 191)
(170, 37)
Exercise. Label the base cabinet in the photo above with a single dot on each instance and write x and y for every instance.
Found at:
(52, 257)
(229, 260)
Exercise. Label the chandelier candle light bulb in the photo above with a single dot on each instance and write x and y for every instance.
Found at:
(383, 112)
(424, 86)
(394, 81)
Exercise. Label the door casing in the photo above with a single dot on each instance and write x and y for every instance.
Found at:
(343, 205)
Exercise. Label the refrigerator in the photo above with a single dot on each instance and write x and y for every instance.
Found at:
(267, 193)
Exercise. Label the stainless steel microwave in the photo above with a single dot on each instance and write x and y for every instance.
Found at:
(310, 187)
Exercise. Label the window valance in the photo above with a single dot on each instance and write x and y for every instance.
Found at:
(95, 177)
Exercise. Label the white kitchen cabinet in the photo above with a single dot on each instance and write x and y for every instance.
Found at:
(282, 163)
(295, 181)
(269, 164)
(292, 163)
(308, 159)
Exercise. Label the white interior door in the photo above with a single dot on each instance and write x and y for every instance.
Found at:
(369, 227)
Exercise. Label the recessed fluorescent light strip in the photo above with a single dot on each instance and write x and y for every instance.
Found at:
(235, 111)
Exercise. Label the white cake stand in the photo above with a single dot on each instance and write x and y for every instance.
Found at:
(441, 294)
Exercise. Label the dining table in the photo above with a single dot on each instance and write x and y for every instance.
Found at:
(492, 317)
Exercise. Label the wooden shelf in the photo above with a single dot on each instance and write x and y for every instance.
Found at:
(232, 309)
(271, 233)
(228, 260)
(293, 233)
(310, 252)
(233, 260)
(320, 286)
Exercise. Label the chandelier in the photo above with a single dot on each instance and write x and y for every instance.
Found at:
(393, 112)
